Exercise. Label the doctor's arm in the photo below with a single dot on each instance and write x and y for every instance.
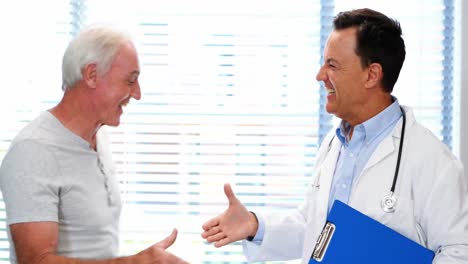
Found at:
(36, 243)
(236, 223)
(445, 214)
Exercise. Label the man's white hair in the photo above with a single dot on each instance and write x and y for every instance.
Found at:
(96, 44)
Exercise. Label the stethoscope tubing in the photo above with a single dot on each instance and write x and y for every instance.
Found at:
(389, 201)
(400, 150)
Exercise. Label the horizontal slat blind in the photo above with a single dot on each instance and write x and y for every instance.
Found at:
(229, 95)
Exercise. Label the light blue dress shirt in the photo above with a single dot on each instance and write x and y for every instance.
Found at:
(354, 154)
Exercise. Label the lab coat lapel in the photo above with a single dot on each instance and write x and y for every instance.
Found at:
(327, 169)
(390, 143)
(386, 148)
(318, 210)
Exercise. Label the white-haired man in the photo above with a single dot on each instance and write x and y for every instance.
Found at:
(57, 179)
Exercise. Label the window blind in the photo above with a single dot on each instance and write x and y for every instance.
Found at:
(228, 95)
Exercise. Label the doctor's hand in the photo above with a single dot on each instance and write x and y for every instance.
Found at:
(236, 223)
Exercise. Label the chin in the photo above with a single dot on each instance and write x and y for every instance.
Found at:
(113, 123)
(329, 108)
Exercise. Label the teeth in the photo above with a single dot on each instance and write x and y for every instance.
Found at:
(331, 91)
(124, 104)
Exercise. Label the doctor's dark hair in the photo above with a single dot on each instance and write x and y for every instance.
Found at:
(378, 41)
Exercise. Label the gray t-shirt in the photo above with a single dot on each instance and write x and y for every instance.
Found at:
(52, 174)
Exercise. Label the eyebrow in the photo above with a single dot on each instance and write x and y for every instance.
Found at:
(135, 72)
(331, 60)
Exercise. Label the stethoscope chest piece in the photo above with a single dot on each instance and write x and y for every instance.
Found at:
(388, 203)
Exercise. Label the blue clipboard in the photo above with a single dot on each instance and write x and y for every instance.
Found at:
(352, 237)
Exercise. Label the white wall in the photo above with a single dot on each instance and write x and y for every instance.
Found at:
(464, 88)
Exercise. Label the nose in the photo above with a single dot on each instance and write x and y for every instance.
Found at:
(136, 91)
(321, 76)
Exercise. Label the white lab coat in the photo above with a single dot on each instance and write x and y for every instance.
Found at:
(431, 192)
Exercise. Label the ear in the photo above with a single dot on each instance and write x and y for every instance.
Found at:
(89, 73)
(374, 75)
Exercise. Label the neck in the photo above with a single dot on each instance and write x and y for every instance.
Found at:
(75, 112)
(373, 107)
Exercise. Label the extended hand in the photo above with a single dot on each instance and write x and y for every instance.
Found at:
(236, 223)
(157, 254)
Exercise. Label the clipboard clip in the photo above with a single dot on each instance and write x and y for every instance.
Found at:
(323, 242)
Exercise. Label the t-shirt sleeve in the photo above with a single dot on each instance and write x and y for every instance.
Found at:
(29, 183)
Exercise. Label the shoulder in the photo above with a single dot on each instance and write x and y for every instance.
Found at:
(28, 156)
(421, 135)
(422, 144)
(31, 152)
(33, 142)
(47, 133)
(36, 130)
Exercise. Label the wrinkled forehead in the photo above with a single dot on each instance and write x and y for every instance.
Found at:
(126, 59)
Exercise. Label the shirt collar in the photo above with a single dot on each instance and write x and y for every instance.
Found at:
(374, 126)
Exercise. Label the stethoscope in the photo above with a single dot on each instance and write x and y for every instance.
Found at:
(388, 202)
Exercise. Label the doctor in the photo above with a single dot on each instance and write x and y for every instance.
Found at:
(357, 161)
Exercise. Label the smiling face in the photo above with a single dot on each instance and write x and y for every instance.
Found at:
(115, 88)
(344, 76)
